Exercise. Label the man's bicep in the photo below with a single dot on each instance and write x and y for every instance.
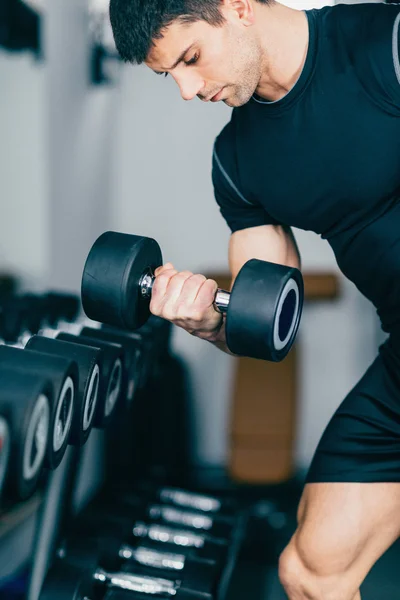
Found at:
(273, 243)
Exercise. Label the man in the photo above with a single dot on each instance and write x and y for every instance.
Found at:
(314, 142)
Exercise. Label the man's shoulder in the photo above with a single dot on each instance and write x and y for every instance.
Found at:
(365, 38)
(362, 19)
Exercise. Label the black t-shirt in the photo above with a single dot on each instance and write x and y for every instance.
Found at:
(326, 157)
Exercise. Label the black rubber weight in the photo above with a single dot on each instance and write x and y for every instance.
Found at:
(26, 403)
(110, 388)
(110, 283)
(132, 345)
(253, 308)
(86, 396)
(63, 375)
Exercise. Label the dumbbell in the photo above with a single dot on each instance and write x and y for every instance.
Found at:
(89, 365)
(11, 320)
(135, 355)
(25, 405)
(61, 306)
(193, 544)
(139, 559)
(63, 376)
(66, 582)
(263, 309)
(112, 368)
(122, 353)
(188, 499)
(132, 508)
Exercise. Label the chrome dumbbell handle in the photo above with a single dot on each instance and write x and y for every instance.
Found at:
(176, 516)
(160, 533)
(153, 558)
(189, 500)
(221, 300)
(133, 583)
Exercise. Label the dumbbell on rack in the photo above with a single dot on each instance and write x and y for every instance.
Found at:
(187, 499)
(28, 313)
(25, 405)
(143, 348)
(262, 312)
(74, 371)
(191, 543)
(88, 361)
(66, 582)
(110, 554)
(112, 358)
(128, 509)
(63, 376)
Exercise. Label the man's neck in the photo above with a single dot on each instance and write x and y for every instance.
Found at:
(284, 38)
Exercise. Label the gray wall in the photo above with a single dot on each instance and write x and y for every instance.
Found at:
(77, 160)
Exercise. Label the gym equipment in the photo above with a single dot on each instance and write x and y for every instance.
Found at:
(111, 375)
(63, 375)
(25, 405)
(263, 309)
(61, 306)
(112, 555)
(88, 361)
(131, 508)
(187, 499)
(133, 350)
(190, 543)
(68, 583)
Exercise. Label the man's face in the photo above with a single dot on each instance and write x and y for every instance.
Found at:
(215, 63)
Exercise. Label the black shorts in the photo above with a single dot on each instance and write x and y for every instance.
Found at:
(362, 441)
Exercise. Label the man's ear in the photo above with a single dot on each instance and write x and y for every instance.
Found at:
(239, 10)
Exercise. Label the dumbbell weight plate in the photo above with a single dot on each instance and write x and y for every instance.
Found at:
(26, 402)
(88, 361)
(264, 310)
(111, 380)
(118, 261)
(63, 375)
(133, 346)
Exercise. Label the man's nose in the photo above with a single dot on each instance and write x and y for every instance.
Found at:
(190, 86)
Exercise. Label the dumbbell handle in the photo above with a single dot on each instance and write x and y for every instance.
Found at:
(221, 300)
(135, 583)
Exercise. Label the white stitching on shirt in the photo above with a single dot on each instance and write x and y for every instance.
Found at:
(229, 180)
(396, 56)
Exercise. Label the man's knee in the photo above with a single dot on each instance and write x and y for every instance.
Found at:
(309, 575)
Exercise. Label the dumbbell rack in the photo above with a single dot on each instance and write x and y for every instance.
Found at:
(54, 507)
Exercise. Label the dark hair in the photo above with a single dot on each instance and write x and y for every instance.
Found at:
(136, 23)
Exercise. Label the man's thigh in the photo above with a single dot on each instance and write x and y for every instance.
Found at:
(343, 529)
(349, 513)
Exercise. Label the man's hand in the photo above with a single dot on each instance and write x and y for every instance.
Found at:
(186, 300)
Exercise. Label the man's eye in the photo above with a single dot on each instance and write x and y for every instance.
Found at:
(193, 60)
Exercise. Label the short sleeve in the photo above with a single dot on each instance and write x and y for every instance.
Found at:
(238, 212)
(379, 54)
